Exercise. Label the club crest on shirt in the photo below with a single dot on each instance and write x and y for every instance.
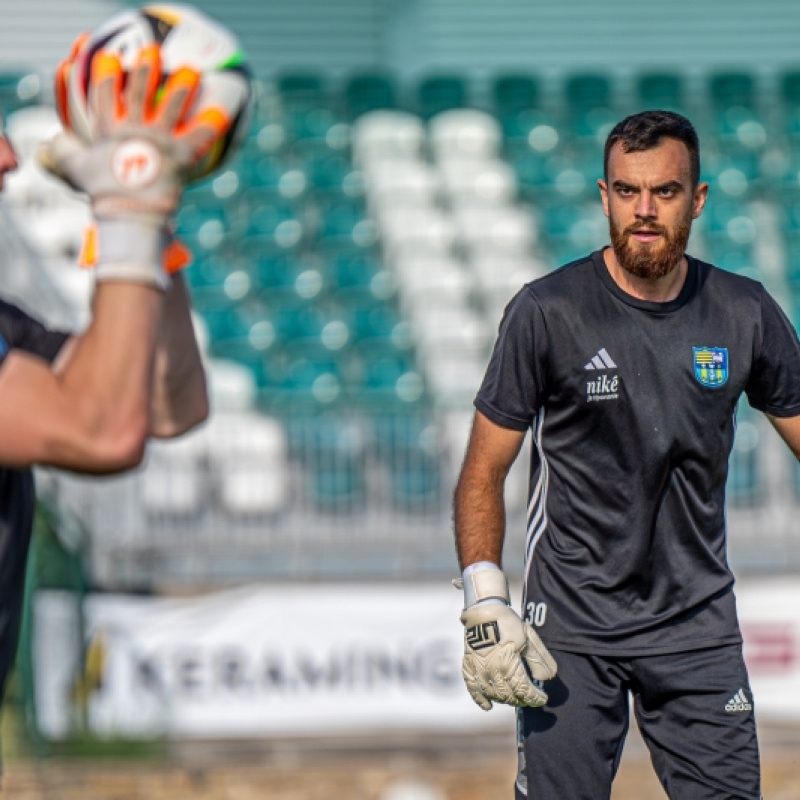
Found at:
(711, 365)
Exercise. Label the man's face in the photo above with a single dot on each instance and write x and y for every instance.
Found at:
(650, 204)
(8, 158)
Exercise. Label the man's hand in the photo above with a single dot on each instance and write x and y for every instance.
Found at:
(143, 142)
(504, 659)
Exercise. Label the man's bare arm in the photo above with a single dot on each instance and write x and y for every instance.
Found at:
(179, 399)
(92, 415)
(479, 508)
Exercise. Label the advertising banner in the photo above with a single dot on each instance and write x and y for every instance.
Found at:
(310, 660)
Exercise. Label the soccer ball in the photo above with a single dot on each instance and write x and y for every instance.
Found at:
(187, 38)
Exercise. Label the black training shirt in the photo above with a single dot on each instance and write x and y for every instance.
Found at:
(631, 405)
(17, 331)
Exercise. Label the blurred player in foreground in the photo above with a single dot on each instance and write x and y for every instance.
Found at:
(89, 402)
(627, 366)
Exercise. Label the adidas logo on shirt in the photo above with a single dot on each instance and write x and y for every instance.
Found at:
(601, 361)
(605, 386)
(739, 702)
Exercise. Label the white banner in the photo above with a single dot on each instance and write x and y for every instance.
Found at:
(297, 660)
(264, 661)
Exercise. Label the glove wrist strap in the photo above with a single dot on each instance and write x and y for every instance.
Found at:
(485, 583)
(131, 250)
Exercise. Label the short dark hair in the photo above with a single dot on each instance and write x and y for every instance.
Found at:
(645, 130)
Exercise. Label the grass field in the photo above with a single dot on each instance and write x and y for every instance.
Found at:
(413, 769)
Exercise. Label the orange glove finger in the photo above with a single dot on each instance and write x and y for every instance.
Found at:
(176, 99)
(144, 80)
(204, 131)
(61, 80)
(105, 92)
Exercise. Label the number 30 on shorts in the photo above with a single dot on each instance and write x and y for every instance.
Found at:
(536, 613)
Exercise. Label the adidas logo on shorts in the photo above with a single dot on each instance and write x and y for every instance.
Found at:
(739, 702)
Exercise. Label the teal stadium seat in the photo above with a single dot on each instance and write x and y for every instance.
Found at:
(335, 464)
(369, 91)
(333, 179)
(790, 107)
(274, 227)
(660, 90)
(301, 90)
(590, 108)
(733, 104)
(744, 487)
(389, 381)
(410, 446)
(19, 88)
(438, 93)
(513, 94)
(345, 229)
(529, 135)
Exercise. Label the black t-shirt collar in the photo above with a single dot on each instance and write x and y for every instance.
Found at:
(687, 290)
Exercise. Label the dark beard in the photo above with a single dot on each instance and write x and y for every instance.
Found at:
(641, 260)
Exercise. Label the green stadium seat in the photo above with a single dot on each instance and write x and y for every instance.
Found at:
(660, 90)
(589, 107)
(274, 177)
(728, 89)
(733, 104)
(274, 227)
(369, 91)
(410, 446)
(345, 228)
(335, 464)
(438, 93)
(301, 90)
(744, 487)
(530, 133)
(333, 178)
(19, 88)
(514, 93)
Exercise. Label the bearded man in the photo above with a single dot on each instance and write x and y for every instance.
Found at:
(627, 366)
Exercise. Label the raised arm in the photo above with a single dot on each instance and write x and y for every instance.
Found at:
(179, 397)
(94, 414)
(479, 509)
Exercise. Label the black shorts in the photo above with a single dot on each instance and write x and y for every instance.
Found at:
(694, 711)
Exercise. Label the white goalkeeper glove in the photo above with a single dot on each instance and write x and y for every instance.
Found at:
(144, 141)
(504, 658)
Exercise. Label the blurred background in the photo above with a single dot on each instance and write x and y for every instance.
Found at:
(264, 608)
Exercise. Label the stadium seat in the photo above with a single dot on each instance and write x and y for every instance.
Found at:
(345, 227)
(411, 446)
(369, 91)
(530, 133)
(589, 104)
(733, 103)
(271, 177)
(464, 133)
(504, 230)
(301, 90)
(333, 179)
(412, 231)
(790, 101)
(744, 479)
(173, 478)
(401, 182)
(19, 88)
(438, 93)
(513, 93)
(248, 455)
(274, 226)
(660, 90)
(484, 183)
(335, 464)
(387, 134)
